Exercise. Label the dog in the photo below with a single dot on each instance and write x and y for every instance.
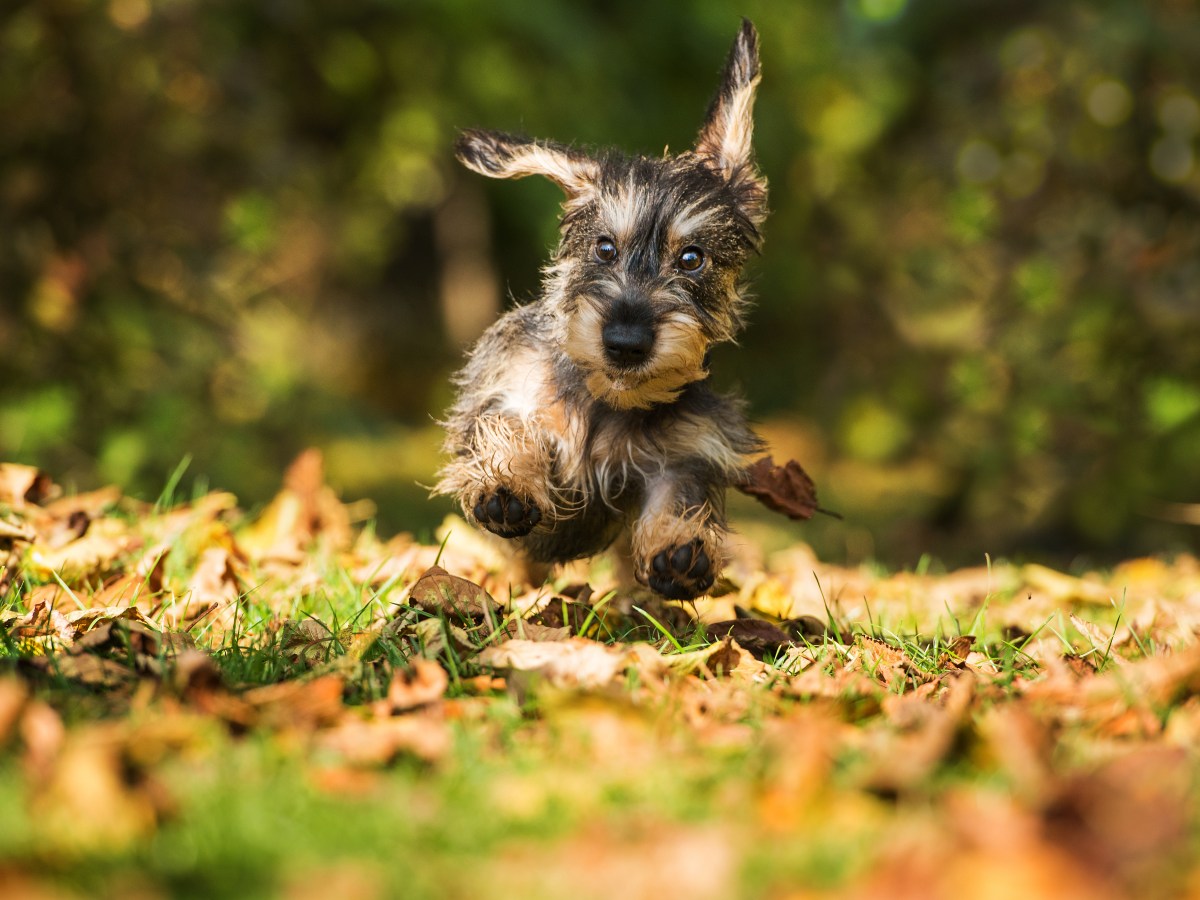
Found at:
(589, 411)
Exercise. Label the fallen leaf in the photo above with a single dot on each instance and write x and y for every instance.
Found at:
(24, 484)
(655, 859)
(42, 732)
(1064, 589)
(303, 705)
(1021, 743)
(422, 683)
(379, 741)
(142, 586)
(198, 681)
(215, 586)
(887, 662)
(903, 761)
(435, 637)
(13, 694)
(955, 656)
(54, 534)
(95, 671)
(532, 631)
(758, 636)
(92, 504)
(306, 509)
(729, 660)
(94, 799)
(307, 641)
(1129, 817)
(16, 531)
(95, 554)
(575, 663)
(560, 612)
(437, 591)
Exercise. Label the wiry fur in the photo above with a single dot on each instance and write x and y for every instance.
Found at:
(568, 440)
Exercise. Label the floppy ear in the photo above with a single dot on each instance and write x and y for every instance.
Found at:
(724, 143)
(500, 155)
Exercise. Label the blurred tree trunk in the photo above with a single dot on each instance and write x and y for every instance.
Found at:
(468, 290)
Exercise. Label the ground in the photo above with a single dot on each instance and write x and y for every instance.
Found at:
(196, 701)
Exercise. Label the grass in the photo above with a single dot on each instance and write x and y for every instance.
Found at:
(789, 776)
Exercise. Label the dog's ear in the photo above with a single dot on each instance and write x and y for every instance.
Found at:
(724, 143)
(500, 155)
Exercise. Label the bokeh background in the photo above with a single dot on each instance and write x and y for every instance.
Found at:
(233, 230)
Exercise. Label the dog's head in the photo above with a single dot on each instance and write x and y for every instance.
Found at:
(646, 276)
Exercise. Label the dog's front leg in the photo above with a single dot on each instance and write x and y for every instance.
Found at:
(501, 473)
(678, 539)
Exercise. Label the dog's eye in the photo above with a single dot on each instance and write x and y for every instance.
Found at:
(691, 259)
(606, 250)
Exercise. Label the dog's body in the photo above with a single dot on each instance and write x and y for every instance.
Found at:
(590, 409)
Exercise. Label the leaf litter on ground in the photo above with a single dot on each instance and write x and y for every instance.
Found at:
(879, 733)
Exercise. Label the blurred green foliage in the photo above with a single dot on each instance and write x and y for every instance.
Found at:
(234, 230)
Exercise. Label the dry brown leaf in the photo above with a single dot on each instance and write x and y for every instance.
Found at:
(13, 694)
(576, 663)
(758, 636)
(803, 747)
(393, 562)
(559, 612)
(42, 732)
(304, 510)
(194, 518)
(307, 641)
(902, 761)
(43, 624)
(437, 591)
(1021, 743)
(532, 631)
(142, 586)
(727, 659)
(15, 531)
(888, 663)
(1132, 690)
(93, 555)
(20, 485)
(95, 671)
(956, 654)
(849, 687)
(422, 683)
(656, 859)
(94, 799)
(198, 681)
(1129, 818)
(300, 705)
(92, 504)
(215, 586)
(435, 637)
(783, 489)
(1103, 642)
(81, 621)
(1062, 588)
(379, 741)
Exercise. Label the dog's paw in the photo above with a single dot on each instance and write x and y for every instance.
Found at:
(505, 514)
(683, 572)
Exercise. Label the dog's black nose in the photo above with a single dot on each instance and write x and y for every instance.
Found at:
(627, 344)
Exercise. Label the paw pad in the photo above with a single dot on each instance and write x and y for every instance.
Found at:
(505, 514)
(681, 573)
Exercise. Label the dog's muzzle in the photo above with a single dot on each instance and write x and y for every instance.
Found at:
(628, 335)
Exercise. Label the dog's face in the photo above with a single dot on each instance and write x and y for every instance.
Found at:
(645, 278)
